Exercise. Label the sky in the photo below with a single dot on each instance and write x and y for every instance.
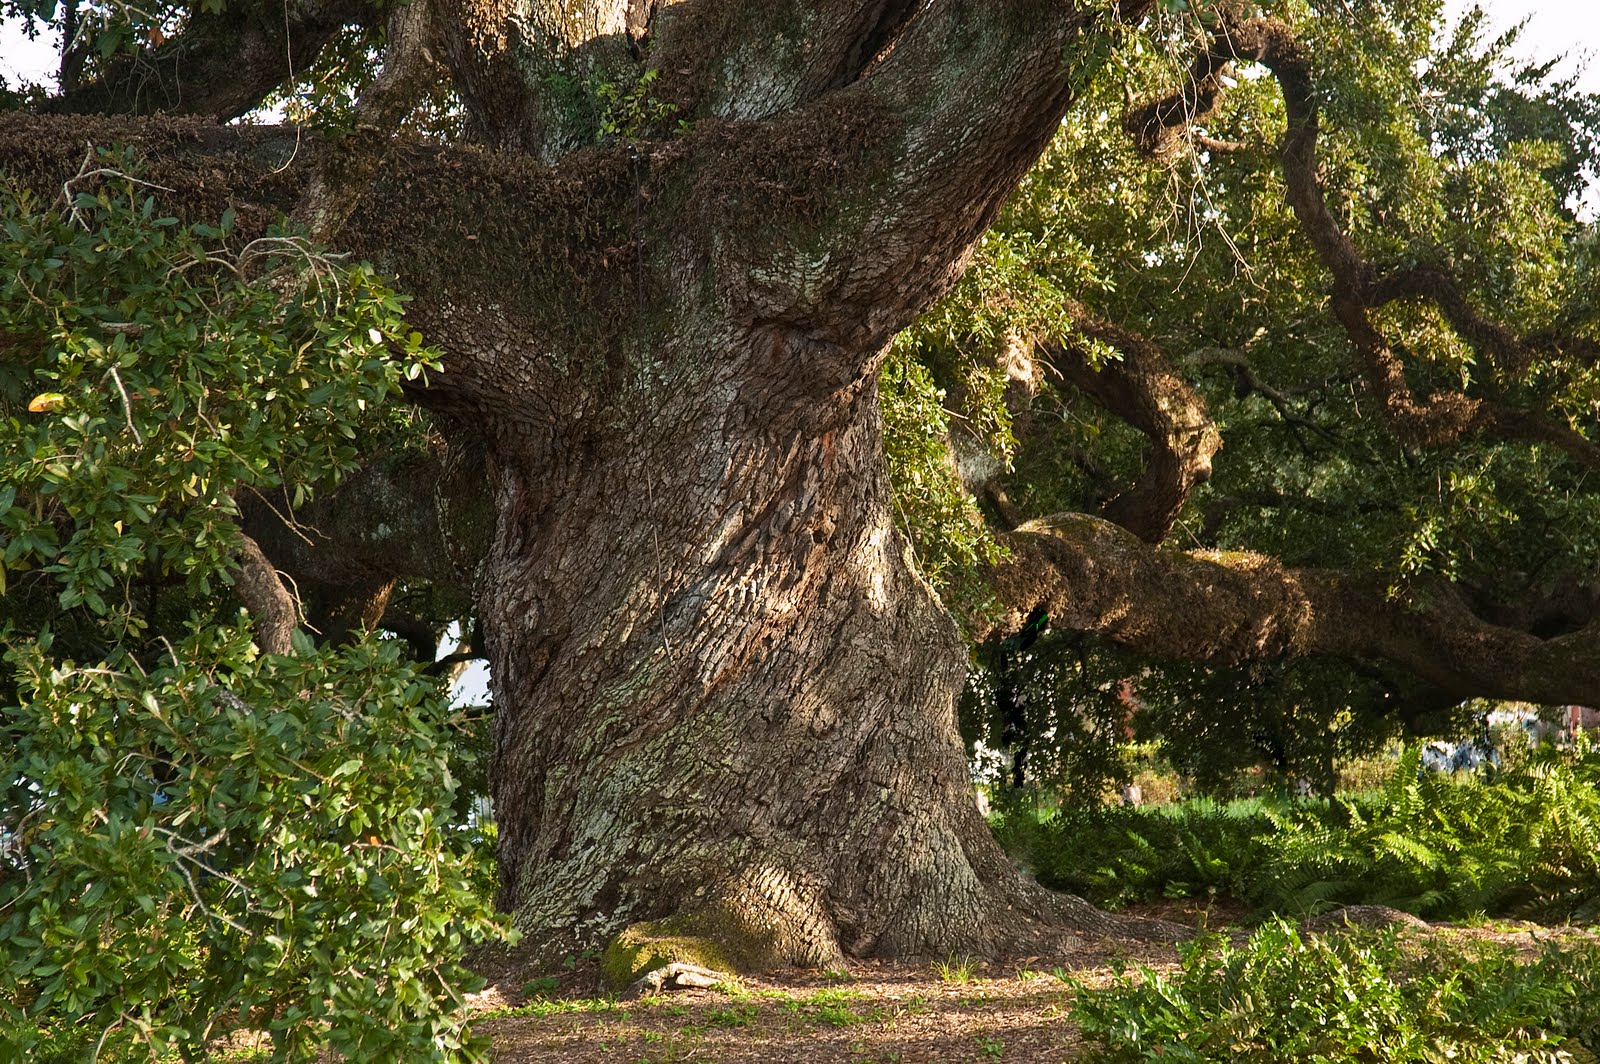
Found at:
(1556, 27)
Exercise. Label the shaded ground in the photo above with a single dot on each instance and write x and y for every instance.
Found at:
(882, 1013)
(905, 1013)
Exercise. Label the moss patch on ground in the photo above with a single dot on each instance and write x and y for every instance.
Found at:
(644, 947)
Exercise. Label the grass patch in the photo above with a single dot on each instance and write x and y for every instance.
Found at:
(958, 970)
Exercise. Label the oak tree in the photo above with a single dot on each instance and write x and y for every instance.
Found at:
(663, 251)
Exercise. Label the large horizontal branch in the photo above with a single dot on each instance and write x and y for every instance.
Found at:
(444, 220)
(1233, 608)
(223, 64)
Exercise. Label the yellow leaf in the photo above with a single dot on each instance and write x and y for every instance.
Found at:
(45, 402)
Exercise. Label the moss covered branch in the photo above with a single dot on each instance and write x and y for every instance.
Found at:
(1235, 607)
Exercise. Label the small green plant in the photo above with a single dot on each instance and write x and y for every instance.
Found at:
(954, 969)
(634, 111)
(1284, 997)
(736, 1016)
(571, 961)
(991, 1047)
(839, 1016)
(542, 986)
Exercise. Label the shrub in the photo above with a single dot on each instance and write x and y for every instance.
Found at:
(228, 841)
(1114, 855)
(193, 836)
(1524, 841)
(1284, 997)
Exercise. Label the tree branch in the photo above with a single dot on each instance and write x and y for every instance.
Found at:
(223, 64)
(1142, 389)
(951, 118)
(1232, 608)
(344, 169)
(1250, 381)
(1437, 419)
(738, 60)
(263, 593)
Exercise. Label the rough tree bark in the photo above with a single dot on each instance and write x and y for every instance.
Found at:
(723, 694)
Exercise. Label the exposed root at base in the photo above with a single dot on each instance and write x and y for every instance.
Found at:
(1076, 914)
(676, 976)
(1367, 916)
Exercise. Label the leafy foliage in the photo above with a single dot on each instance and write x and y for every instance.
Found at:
(948, 533)
(1437, 148)
(228, 839)
(188, 366)
(196, 836)
(1114, 855)
(1287, 997)
(1525, 841)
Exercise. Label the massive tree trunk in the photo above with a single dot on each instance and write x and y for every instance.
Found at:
(723, 693)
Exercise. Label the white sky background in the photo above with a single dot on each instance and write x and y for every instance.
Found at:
(1568, 28)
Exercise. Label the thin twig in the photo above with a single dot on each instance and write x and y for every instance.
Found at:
(84, 173)
(127, 405)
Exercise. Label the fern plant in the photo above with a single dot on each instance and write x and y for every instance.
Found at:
(1285, 997)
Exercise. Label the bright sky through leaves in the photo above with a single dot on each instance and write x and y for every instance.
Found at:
(1557, 27)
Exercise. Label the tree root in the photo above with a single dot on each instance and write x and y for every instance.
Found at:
(1367, 916)
(675, 976)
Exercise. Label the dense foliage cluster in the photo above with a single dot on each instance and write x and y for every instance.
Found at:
(1438, 150)
(195, 835)
(1288, 996)
(1524, 841)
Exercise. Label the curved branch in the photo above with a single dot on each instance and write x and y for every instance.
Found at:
(1234, 608)
(223, 64)
(1142, 389)
(263, 593)
(1358, 287)
(1160, 124)
(952, 117)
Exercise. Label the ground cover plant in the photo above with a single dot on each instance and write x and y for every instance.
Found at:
(1287, 996)
(1522, 841)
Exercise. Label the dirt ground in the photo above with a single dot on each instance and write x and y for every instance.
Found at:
(882, 1013)
(876, 1012)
